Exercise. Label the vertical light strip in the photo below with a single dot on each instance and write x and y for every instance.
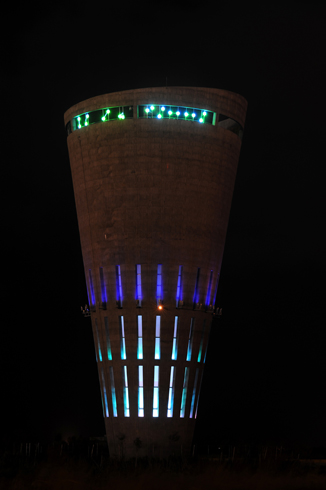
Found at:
(201, 379)
(196, 292)
(208, 297)
(179, 286)
(98, 341)
(138, 285)
(184, 393)
(215, 293)
(156, 392)
(118, 285)
(191, 336)
(122, 338)
(193, 395)
(103, 289)
(157, 354)
(171, 392)
(140, 391)
(104, 395)
(175, 340)
(201, 342)
(92, 289)
(108, 342)
(114, 398)
(159, 292)
(207, 342)
(140, 337)
(95, 348)
(102, 403)
(125, 392)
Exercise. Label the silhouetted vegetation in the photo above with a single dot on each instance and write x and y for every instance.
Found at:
(85, 464)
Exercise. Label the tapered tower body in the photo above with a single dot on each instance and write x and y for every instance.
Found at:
(153, 173)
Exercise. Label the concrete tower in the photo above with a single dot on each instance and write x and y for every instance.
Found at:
(153, 173)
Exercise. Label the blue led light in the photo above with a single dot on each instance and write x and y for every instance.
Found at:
(193, 114)
(114, 399)
(193, 395)
(178, 113)
(204, 113)
(159, 116)
(201, 120)
(162, 108)
(170, 113)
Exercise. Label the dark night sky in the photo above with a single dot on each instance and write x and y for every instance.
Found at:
(266, 364)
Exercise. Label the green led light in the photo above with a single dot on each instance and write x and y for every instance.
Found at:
(103, 118)
(152, 107)
(193, 114)
(163, 108)
(186, 114)
(78, 118)
(201, 120)
(170, 113)
(108, 111)
(147, 110)
(204, 113)
(178, 113)
(159, 116)
(87, 116)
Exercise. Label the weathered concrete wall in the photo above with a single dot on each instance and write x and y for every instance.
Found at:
(153, 192)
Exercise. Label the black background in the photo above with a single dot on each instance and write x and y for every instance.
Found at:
(266, 366)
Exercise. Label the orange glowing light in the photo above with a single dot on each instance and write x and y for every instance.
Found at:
(160, 307)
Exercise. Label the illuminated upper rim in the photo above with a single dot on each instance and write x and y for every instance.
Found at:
(147, 111)
(152, 111)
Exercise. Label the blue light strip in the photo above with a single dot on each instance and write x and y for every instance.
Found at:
(159, 284)
(138, 283)
(184, 393)
(105, 397)
(103, 289)
(118, 285)
(193, 395)
(179, 286)
(201, 379)
(114, 398)
(201, 342)
(171, 392)
(191, 336)
(92, 289)
(157, 354)
(156, 392)
(196, 293)
(175, 340)
(122, 338)
(98, 341)
(108, 342)
(140, 337)
(208, 297)
(215, 294)
(209, 332)
(125, 392)
(140, 391)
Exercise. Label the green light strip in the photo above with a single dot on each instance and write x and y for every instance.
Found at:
(145, 111)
